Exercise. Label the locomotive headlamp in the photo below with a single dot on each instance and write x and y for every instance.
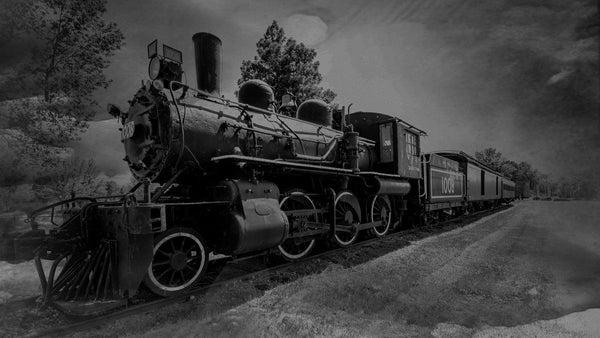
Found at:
(163, 69)
(154, 68)
(167, 67)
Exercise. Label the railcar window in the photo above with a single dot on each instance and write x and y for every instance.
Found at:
(482, 183)
(386, 148)
(411, 144)
(496, 185)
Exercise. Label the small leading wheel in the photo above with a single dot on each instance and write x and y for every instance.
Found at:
(179, 258)
(380, 211)
(296, 248)
(347, 214)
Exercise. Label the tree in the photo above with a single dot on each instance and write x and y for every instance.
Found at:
(68, 47)
(287, 66)
(522, 173)
(111, 188)
(71, 48)
(72, 177)
(491, 157)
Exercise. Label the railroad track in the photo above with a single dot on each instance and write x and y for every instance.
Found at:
(206, 285)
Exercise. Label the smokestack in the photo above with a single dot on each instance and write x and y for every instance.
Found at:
(207, 48)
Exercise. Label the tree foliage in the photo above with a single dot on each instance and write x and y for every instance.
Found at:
(529, 180)
(68, 45)
(522, 173)
(287, 66)
(491, 157)
(71, 47)
(71, 177)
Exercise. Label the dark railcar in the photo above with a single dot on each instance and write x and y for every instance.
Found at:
(483, 185)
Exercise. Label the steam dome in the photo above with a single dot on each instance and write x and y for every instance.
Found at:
(256, 93)
(316, 111)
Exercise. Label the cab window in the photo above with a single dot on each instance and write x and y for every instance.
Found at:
(411, 144)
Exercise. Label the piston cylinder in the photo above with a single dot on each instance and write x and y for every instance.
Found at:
(257, 223)
(386, 186)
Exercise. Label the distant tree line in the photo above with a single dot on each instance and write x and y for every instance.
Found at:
(530, 182)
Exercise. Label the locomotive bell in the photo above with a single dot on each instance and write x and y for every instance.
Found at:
(316, 111)
(288, 105)
(287, 101)
(256, 93)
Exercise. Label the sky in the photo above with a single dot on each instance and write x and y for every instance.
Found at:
(513, 75)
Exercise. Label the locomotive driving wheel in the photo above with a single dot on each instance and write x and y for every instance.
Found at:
(296, 248)
(380, 210)
(179, 258)
(347, 214)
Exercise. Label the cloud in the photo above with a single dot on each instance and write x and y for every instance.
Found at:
(308, 29)
(484, 74)
(563, 74)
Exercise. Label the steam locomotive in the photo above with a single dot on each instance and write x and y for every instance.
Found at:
(241, 178)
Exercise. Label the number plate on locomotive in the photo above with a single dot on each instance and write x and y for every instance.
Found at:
(127, 131)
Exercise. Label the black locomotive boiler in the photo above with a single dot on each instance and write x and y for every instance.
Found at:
(239, 178)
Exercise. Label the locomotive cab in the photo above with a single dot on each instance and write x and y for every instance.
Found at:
(398, 142)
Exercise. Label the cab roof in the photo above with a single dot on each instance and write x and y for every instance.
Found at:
(384, 117)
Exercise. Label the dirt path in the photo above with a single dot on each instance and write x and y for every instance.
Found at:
(536, 261)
